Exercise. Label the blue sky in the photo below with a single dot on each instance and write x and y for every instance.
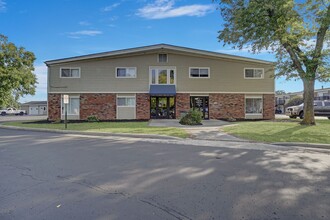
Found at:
(65, 28)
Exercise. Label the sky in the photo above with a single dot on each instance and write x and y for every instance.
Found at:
(65, 28)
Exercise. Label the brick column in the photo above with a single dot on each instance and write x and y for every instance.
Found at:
(269, 106)
(224, 106)
(142, 106)
(182, 104)
(101, 105)
(54, 107)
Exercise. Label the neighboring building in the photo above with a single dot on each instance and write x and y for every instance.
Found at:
(282, 100)
(35, 107)
(161, 81)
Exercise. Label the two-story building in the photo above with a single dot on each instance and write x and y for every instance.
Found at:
(160, 81)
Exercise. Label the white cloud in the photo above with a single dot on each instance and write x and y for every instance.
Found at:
(3, 7)
(84, 23)
(110, 7)
(165, 9)
(79, 34)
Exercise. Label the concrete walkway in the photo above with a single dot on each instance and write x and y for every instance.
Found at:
(209, 130)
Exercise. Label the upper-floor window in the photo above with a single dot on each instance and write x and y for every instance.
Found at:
(162, 75)
(162, 58)
(70, 72)
(126, 72)
(199, 72)
(253, 73)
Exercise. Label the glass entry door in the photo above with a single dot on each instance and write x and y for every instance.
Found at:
(200, 103)
(162, 107)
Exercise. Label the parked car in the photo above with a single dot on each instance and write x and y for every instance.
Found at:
(12, 111)
(278, 111)
(321, 108)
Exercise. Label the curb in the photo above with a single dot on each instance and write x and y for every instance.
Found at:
(301, 144)
(102, 134)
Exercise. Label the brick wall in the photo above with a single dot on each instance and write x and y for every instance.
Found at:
(269, 106)
(142, 106)
(54, 107)
(182, 104)
(101, 105)
(224, 106)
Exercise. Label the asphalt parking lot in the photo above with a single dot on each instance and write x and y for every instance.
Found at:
(62, 176)
(22, 117)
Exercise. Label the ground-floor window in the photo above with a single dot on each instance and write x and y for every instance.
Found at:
(253, 105)
(72, 106)
(126, 107)
(162, 107)
(200, 103)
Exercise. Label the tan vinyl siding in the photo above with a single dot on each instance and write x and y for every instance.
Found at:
(98, 75)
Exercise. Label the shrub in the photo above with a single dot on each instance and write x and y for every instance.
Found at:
(193, 117)
(92, 118)
(57, 121)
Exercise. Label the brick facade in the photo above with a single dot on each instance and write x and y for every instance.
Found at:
(221, 106)
(54, 107)
(101, 105)
(142, 106)
(269, 106)
(224, 106)
(182, 104)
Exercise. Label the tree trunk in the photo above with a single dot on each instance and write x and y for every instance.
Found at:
(308, 102)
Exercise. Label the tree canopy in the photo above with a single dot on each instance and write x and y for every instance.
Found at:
(16, 72)
(297, 31)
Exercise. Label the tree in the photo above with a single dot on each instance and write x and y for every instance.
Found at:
(295, 30)
(280, 92)
(16, 72)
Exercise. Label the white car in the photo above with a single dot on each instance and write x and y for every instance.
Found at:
(12, 111)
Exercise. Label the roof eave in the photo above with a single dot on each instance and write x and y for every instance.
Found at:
(155, 47)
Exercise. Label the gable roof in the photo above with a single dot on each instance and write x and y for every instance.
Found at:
(156, 47)
(35, 103)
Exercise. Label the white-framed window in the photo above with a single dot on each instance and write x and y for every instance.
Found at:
(199, 72)
(73, 105)
(70, 72)
(253, 73)
(162, 58)
(125, 72)
(162, 75)
(253, 105)
(126, 101)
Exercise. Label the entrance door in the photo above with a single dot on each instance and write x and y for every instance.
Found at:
(162, 107)
(200, 103)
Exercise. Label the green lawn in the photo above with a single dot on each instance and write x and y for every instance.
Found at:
(112, 127)
(282, 131)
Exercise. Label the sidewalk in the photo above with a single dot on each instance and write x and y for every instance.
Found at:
(209, 130)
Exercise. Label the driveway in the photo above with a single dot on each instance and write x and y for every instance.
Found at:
(61, 176)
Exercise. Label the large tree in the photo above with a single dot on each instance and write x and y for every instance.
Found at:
(16, 72)
(297, 31)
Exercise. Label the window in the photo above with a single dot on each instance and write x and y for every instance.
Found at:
(162, 75)
(327, 103)
(253, 105)
(126, 72)
(70, 72)
(162, 58)
(126, 101)
(73, 106)
(199, 72)
(318, 103)
(253, 73)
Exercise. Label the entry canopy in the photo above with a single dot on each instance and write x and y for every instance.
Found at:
(162, 90)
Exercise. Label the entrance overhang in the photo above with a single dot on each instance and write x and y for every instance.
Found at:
(162, 90)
